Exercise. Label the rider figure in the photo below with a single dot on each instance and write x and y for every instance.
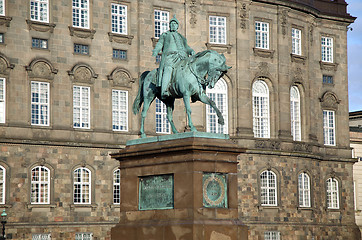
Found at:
(174, 48)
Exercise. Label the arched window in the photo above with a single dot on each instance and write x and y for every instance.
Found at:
(219, 95)
(40, 185)
(82, 186)
(117, 186)
(268, 188)
(304, 190)
(2, 184)
(329, 127)
(295, 113)
(261, 120)
(332, 194)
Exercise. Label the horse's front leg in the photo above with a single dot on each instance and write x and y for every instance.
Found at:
(188, 112)
(205, 99)
(170, 118)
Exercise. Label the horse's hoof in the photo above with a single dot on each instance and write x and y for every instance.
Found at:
(193, 130)
(143, 135)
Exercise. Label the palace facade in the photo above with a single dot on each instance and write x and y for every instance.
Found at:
(69, 74)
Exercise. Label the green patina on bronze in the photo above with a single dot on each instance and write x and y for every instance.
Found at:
(156, 192)
(214, 190)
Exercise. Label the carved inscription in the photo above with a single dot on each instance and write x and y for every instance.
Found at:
(156, 192)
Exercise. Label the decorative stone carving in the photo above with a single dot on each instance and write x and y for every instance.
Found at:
(121, 78)
(82, 73)
(265, 53)
(40, 26)
(5, 65)
(329, 100)
(41, 68)
(267, 144)
(243, 16)
(81, 33)
(119, 38)
(283, 22)
(220, 48)
(193, 19)
(297, 58)
(328, 66)
(4, 20)
(263, 70)
(298, 75)
(302, 147)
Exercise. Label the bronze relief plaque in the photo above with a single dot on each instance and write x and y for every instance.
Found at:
(156, 192)
(214, 190)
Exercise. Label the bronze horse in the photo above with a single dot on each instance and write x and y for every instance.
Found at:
(189, 80)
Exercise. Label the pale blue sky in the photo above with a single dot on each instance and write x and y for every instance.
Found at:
(355, 56)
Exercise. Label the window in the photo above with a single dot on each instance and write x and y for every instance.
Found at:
(40, 103)
(296, 41)
(39, 10)
(119, 110)
(272, 235)
(161, 22)
(119, 54)
(81, 107)
(260, 93)
(42, 236)
(2, 7)
(119, 18)
(2, 100)
(268, 188)
(117, 186)
(332, 194)
(262, 35)
(304, 190)
(158, 58)
(327, 49)
(40, 185)
(162, 124)
(2, 39)
(83, 236)
(81, 49)
(295, 113)
(217, 29)
(219, 95)
(2, 184)
(82, 186)
(81, 13)
(329, 128)
(327, 79)
(39, 43)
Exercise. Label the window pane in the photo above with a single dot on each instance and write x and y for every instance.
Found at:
(40, 103)
(217, 29)
(81, 107)
(161, 22)
(260, 99)
(40, 185)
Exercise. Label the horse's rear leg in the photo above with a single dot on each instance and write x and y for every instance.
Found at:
(146, 106)
(188, 112)
(170, 108)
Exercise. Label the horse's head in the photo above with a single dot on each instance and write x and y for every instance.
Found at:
(217, 68)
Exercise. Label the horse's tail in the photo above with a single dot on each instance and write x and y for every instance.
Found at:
(139, 99)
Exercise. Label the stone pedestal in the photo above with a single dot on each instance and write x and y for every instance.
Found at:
(188, 160)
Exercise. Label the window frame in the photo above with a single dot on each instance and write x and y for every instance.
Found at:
(166, 22)
(302, 190)
(260, 116)
(81, 122)
(259, 44)
(334, 195)
(40, 40)
(120, 111)
(296, 41)
(119, 50)
(81, 49)
(217, 28)
(115, 186)
(41, 236)
(268, 189)
(32, 17)
(326, 128)
(82, 184)
(47, 104)
(3, 100)
(327, 51)
(268, 235)
(295, 114)
(165, 126)
(124, 16)
(3, 2)
(80, 9)
(221, 88)
(40, 183)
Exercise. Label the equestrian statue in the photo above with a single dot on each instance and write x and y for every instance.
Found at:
(182, 74)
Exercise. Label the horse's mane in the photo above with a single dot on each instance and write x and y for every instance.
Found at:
(199, 54)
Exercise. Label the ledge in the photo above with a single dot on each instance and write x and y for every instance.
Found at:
(297, 58)
(265, 53)
(93, 206)
(119, 38)
(328, 66)
(31, 206)
(5, 20)
(220, 48)
(40, 26)
(81, 32)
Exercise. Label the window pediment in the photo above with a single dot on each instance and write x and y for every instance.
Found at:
(329, 100)
(5, 65)
(82, 73)
(120, 77)
(41, 68)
